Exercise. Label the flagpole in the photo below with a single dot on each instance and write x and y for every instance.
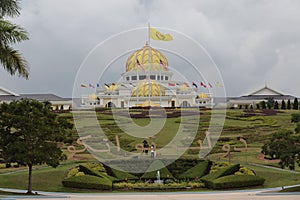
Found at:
(160, 84)
(149, 55)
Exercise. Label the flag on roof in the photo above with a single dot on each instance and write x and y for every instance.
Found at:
(106, 85)
(83, 85)
(202, 84)
(194, 84)
(98, 85)
(163, 64)
(210, 85)
(91, 85)
(171, 84)
(156, 35)
(139, 64)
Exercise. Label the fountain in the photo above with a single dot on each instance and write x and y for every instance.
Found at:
(158, 178)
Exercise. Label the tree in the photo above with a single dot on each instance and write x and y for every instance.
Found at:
(296, 104)
(29, 134)
(284, 145)
(283, 106)
(288, 105)
(263, 105)
(276, 106)
(270, 102)
(10, 34)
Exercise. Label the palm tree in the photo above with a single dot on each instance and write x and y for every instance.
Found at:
(10, 58)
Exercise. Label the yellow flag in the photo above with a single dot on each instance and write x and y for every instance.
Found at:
(156, 35)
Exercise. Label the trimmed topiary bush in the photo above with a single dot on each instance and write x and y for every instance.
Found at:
(120, 175)
(152, 172)
(207, 179)
(236, 181)
(88, 171)
(196, 172)
(88, 182)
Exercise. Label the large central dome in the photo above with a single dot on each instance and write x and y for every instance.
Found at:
(138, 60)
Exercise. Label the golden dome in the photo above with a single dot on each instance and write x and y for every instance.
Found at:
(139, 60)
(142, 89)
(202, 96)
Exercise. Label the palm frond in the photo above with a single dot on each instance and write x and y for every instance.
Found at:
(11, 33)
(13, 62)
(9, 8)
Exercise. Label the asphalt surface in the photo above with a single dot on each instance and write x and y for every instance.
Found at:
(231, 195)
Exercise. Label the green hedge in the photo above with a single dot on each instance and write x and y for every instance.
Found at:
(236, 181)
(120, 175)
(88, 182)
(88, 171)
(164, 174)
(207, 179)
(197, 171)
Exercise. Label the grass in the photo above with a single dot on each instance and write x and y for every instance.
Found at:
(256, 130)
(292, 189)
(44, 179)
(275, 178)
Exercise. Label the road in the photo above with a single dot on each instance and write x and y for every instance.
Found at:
(248, 195)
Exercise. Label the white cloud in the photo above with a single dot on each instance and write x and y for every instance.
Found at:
(251, 41)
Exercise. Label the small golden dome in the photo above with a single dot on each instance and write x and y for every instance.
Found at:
(184, 86)
(202, 96)
(142, 89)
(138, 60)
(92, 97)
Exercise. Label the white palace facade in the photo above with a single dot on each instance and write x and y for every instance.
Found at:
(147, 82)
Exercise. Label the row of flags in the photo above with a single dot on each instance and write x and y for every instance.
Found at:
(156, 35)
(202, 84)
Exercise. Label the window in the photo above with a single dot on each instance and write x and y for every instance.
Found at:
(162, 78)
(142, 77)
(127, 78)
(166, 78)
(158, 77)
(152, 77)
(134, 78)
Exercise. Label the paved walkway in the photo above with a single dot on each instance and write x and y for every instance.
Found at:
(232, 195)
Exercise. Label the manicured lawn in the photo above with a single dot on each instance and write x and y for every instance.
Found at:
(276, 178)
(44, 179)
(256, 130)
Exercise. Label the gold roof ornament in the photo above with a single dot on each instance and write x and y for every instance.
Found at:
(202, 96)
(142, 89)
(112, 87)
(92, 97)
(138, 60)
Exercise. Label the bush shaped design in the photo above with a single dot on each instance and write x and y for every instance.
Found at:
(88, 182)
(236, 181)
(195, 172)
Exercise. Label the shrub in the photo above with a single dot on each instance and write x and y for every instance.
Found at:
(88, 171)
(72, 172)
(245, 171)
(120, 175)
(164, 174)
(152, 172)
(236, 181)
(88, 182)
(154, 186)
(207, 179)
(197, 171)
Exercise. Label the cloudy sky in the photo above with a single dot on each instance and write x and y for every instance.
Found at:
(252, 42)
